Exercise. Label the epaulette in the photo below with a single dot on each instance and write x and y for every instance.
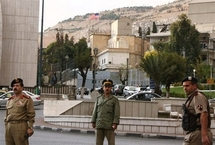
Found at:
(25, 96)
(11, 98)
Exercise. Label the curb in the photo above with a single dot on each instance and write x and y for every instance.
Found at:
(64, 129)
(85, 131)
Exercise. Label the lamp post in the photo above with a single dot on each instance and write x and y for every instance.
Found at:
(67, 58)
(194, 72)
(41, 50)
(95, 51)
(211, 70)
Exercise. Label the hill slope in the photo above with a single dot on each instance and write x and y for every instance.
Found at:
(144, 16)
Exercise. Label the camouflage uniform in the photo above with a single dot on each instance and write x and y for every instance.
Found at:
(20, 115)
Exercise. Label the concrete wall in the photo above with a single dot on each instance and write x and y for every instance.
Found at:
(18, 54)
(136, 117)
(0, 34)
(202, 12)
(146, 126)
(85, 107)
(169, 102)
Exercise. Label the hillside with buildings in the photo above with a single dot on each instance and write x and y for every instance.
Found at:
(142, 16)
(115, 36)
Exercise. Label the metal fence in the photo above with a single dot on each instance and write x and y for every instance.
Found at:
(57, 89)
(51, 89)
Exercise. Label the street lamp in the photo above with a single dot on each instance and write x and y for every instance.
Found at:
(194, 72)
(95, 51)
(41, 49)
(211, 70)
(67, 58)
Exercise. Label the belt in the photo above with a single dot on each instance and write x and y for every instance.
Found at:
(16, 121)
(198, 128)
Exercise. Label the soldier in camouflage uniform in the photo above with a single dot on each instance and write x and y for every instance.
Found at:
(20, 115)
(106, 115)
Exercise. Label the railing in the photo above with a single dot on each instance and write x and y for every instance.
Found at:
(52, 89)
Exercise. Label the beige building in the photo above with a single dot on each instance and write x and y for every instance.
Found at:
(116, 48)
(202, 14)
(19, 21)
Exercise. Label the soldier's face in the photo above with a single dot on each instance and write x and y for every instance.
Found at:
(17, 88)
(107, 89)
(189, 87)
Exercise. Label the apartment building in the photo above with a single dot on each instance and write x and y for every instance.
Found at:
(117, 49)
(114, 49)
(202, 14)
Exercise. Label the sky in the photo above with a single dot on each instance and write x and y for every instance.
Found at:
(59, 10)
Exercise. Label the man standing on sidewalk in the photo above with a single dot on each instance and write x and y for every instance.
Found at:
(196, 119)
(106, 115)
(20, 115)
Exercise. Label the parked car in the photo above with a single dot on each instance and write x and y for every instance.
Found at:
(144, 89)
(2, 92)
(86, 91)
(4, 97)
(139, 89)
(118, 89)
(128, 90)
(99, 89)
(144, 96)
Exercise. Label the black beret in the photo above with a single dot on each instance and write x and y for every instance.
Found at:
(107, 81)
(190, 78)
(17, 80)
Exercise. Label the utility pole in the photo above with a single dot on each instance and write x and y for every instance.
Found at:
(127, 71)
(95, 51)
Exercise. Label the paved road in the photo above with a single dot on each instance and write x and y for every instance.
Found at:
(44, 137)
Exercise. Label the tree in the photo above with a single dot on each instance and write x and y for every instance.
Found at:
(164, 68)
(184, 40)
(148, 31)
(78, 53)
(82, 59)
(56, 53)
(173, 69)
(154, 28)
(203, 71)
(123, 74)
(161, 46)
(140, 32)
(151, 63)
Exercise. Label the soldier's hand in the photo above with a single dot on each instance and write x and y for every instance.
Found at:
(30, 132)
(93, 125)
(114, 126)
